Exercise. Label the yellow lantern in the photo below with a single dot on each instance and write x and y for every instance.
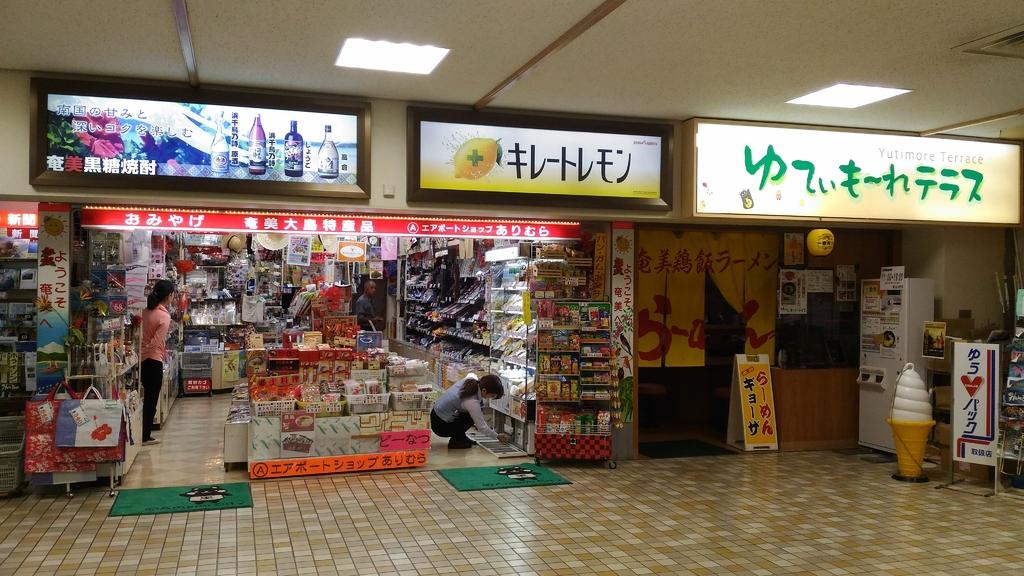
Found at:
(820, 242)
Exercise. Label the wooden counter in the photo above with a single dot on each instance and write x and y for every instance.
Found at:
(816, 409)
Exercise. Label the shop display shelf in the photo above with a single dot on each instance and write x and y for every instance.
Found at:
(412, 400)
(367, 403)
(595, 368)
(559, 374)
(272, 407)
(554, 351)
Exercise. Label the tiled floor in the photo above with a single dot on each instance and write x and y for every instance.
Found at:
(794, 513)
(191, 449)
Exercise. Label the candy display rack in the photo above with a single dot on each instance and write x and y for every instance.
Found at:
(575, 381)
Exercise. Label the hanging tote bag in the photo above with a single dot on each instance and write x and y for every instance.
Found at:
(41, 451)
(91, 422)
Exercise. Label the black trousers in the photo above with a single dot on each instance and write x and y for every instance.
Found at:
(455, 430)
(152, 381)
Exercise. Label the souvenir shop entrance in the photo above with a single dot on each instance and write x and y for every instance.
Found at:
(265, 312)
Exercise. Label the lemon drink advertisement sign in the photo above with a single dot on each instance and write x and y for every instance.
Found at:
(616, 164)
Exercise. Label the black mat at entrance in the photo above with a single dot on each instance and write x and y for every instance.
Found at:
(681, 449)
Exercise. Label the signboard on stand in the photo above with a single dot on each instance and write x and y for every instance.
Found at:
(752, 405)
(975, 382)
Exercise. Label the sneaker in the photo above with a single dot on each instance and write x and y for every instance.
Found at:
(150, 442)
(461, 444)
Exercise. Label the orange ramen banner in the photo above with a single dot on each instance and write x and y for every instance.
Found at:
(672, 267)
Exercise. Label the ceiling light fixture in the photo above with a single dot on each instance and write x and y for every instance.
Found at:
(847, 96)
(389, 56)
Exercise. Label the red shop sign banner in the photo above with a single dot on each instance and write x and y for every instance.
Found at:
(192, 220)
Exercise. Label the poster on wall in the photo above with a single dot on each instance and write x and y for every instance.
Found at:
(52, 295)
(819, 281)
(757, 170)
(793, 249)
(892, 277)
(752, 420)
(975, 406)
(116, 135)
(846, 283)
(489, 157)
(792, 291)
(934, 340)
(623, 245)
(299, 250)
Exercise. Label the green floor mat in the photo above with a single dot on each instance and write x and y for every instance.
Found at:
(199, 498)
(494, 477)
(681, 449)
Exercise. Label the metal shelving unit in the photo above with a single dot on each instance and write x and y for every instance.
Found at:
(576, 382)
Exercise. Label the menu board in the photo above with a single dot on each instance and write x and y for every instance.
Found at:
(103, 134)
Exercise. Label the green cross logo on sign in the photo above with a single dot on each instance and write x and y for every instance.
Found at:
(475, 157)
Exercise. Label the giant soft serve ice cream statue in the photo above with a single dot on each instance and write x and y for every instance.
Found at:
(911, 422)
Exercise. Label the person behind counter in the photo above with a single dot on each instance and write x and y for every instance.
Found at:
(366, 315)
(156, 322)
(461, 407)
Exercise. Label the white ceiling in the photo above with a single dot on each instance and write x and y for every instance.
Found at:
(650, 58)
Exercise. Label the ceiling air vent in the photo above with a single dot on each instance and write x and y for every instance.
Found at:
(1009, 43)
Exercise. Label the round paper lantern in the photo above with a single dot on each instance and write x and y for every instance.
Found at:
(820, 242)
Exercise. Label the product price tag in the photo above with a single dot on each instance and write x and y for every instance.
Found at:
(45, 413)
(78, 415)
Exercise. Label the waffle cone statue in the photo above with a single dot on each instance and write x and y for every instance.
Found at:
(911, 423)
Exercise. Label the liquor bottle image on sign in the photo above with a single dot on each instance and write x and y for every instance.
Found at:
(257, 148)
(293, 151)
(220, 150)
(327, 160)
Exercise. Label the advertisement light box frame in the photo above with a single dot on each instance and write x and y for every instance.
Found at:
(266, 102)
(718, 191)
(495, 189)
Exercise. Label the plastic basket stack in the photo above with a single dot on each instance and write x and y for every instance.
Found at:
(196, 365)
(12, 444)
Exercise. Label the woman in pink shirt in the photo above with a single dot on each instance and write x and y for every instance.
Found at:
(156, 321)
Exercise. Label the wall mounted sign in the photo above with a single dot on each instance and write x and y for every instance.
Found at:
(193, 220)
(53, 294)
(128, 136)
(975, 402)
(483, 157)
(761, 170)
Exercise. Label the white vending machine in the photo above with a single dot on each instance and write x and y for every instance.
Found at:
(891, 334)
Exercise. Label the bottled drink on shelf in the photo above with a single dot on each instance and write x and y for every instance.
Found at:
(293, 151)
(327, 160)
(220, 151)
(257, 148)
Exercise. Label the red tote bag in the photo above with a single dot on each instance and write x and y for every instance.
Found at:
(41, 451)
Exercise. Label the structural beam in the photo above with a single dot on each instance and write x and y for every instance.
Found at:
(185, 38)
(595, 16)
